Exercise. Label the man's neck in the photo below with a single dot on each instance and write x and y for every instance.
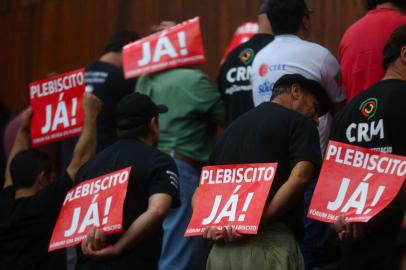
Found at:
(395, 72)
(25, 192)
(112, 58)
(388, 5)
(147, 140)
(281, 100)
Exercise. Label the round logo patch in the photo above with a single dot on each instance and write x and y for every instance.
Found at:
(246, 56)
(263, 69)
(368, 107)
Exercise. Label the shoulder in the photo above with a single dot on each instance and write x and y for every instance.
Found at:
(316, 49)
(182, 77)
(161, 158)
(96, 66)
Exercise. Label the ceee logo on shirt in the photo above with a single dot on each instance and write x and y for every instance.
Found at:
(263, 69)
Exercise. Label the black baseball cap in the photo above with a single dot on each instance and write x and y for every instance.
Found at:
(310, 86)
(136, 110)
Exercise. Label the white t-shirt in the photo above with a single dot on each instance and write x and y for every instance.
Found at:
(288, 54)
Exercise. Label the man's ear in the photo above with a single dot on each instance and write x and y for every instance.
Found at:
(295, 91)
(42, 179)
(154, 125)
(403, 55)
(305, 28)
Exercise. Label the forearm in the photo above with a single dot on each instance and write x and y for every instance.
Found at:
(144, 226)
(287, 195)
(85, 148)
(290, 192)
(21, 143)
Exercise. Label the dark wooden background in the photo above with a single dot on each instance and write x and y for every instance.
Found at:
(45, 36)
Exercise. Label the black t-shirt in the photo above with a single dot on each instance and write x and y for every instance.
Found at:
(107, 82)
(26, 227)
(234, 79)
(272, 133)
(375, 119)
(152, 172)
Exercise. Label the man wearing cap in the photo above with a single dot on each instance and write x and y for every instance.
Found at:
(152, 190)
(291, 53)
(187, 133)
(376, 119)
(234, 79)
(283, 131)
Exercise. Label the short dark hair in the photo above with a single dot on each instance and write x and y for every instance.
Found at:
(371, 4)
(280, 89)
(27, 165)
(393, 46)
(286, 16)
(119, 40)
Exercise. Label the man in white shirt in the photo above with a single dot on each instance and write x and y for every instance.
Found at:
(289, 54)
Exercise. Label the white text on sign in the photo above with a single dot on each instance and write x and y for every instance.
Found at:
(56, 86)
(61, 116)
(163, 47)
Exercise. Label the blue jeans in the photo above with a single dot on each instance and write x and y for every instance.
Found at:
(179, 252)
(316, 234)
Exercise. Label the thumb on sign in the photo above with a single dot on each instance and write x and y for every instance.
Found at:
(95, 246)
(350, 230)
(96, 238)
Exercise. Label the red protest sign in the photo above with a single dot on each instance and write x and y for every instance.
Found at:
(174, 47)
(57, 107)
(243, 33)
(231, 195)
(356, 183)
(90, 204)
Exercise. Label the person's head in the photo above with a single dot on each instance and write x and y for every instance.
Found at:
(118, 40)
(288, 16)
(394, 52)
(114, 47)
(372, 4)
(31, 169)
(303, 95)
(137, 117)
(264, 26)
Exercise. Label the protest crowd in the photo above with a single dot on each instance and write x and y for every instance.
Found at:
(295, 159)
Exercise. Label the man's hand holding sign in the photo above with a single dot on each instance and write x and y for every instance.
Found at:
(354, 186)
(230, 200)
